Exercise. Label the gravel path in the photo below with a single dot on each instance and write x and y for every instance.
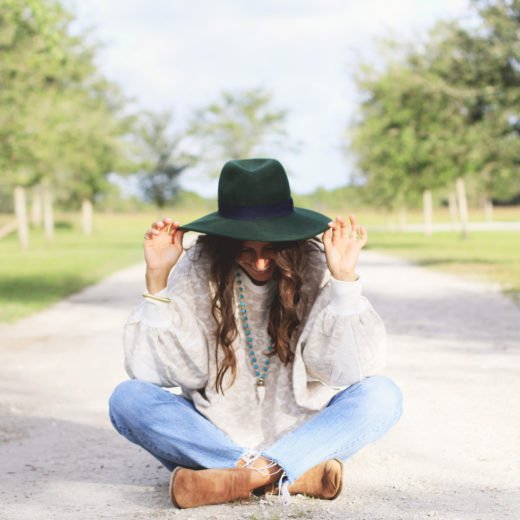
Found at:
(454, 350)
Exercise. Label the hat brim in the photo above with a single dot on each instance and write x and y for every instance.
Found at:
(299, 225)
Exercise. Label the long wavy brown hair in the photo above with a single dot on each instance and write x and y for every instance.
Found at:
(284, 316)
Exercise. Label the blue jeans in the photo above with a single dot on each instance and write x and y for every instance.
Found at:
(173, 431)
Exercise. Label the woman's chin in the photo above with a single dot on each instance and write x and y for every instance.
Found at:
(259, 277)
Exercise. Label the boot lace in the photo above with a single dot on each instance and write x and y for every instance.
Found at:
(250, 456)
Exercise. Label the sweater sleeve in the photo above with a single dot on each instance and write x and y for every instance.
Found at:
(167, 343)
(344, 339)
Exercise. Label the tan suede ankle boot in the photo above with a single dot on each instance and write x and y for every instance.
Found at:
(194, 488)
(324, 481)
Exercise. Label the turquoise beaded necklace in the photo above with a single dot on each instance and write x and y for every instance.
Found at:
(260, 372)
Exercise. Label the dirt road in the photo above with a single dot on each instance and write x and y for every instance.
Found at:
(455, 454)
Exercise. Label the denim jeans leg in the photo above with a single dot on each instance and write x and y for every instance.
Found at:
(169, 427)
(354, 417)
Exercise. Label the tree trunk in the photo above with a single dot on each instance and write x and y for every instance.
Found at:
(20, 208)
(86, 216)
(388, 220)
(48, 215)
(454, 210)
(462, 203)
(36, 206)
(428, 212)
(402, 218)
(488, 210)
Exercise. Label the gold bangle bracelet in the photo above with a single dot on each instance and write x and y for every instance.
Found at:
(158, 298)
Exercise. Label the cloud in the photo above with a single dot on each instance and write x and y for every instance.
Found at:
(180, 55)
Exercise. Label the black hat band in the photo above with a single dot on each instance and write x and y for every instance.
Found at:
(278, 209)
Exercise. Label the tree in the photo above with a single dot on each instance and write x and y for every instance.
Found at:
(445, 111)
(483, 60)
(60, 119)
(162, 159)
(97, 143)
(401, 138)
(31, 59)
(237, 125)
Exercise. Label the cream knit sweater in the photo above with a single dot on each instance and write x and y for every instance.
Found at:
(341, 340)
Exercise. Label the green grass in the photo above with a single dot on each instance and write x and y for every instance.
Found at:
(374, 218)
(487, 256)
(32, 280)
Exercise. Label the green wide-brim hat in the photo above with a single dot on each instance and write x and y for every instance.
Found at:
(254, 203)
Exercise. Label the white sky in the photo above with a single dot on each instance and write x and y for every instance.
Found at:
(180, 54)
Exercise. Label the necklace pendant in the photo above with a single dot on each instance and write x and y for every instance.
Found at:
(260, 389)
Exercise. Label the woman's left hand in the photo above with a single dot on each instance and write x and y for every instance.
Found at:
(342, 247)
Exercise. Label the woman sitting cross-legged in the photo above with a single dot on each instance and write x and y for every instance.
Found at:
(263, 326)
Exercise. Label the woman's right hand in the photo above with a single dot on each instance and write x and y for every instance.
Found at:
(162, 248)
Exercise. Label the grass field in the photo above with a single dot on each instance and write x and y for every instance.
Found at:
(373, 217)
(33, 279)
